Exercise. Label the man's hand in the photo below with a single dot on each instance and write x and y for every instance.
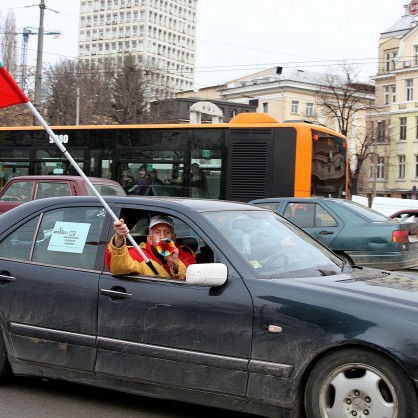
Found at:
(121, 231)
(173, 259)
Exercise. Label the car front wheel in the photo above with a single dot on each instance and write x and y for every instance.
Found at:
(359, 383)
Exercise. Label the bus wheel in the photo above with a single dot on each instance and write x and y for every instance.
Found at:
(359, 382)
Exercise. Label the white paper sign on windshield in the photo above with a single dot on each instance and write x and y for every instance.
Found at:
(69, 237)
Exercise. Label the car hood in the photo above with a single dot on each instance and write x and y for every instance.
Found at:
(369, 284)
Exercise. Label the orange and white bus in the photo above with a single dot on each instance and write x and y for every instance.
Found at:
(253, 156)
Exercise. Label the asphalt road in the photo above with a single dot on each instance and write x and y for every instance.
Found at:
(33, 397)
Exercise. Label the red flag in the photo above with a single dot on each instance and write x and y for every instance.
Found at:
(10, 92)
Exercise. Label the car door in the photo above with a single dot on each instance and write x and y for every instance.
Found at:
(167, 332)
(314, 218)
(48, 287)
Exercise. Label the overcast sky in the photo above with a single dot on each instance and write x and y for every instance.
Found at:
(239, 37)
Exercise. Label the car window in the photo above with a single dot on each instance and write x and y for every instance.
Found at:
(107, 190)
(323, 218)
(267, 205)
(186, 237)
(65, 237)
(48, 189)
(18, 244)
(19, 192)
(301, 214)
(273, 247)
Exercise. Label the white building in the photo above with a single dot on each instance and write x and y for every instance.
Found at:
(160, 33)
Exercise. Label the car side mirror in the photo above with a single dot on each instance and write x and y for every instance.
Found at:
(207, 275)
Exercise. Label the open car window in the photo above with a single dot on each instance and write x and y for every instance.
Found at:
(186, 237)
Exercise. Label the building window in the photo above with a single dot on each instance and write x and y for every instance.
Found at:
(416, 55)
(390, 94)
(265, 107)
(309, 109)
(416, 128)
(380, 168)
(390, 61)
(409, 90)
(401, 167)
(402, 129)
(377, 168)
(295, 107)
(416, 166)
(380, 129)
(387, 95)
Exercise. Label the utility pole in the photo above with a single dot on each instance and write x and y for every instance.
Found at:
(38, 75)
(376, 158)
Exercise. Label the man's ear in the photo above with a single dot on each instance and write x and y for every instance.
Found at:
(149, 239)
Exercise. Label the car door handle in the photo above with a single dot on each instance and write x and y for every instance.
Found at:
(116, 294)
(5, 277)
(325, 232)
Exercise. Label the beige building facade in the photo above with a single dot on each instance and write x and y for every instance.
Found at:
(394, 170)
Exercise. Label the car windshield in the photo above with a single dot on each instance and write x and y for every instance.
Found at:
(274, 247)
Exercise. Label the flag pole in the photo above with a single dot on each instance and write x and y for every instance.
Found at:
(87, 180)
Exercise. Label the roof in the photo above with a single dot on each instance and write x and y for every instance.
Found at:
(401, 27)
(173, 203)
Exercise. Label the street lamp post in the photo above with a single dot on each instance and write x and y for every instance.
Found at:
(38, 75)
(375, 158)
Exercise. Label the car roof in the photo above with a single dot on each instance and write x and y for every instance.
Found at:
(404, 211)
(296, 199)
(175, 203)
(199, 205)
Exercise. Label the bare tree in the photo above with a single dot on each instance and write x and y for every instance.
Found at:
(77, 92)
(20, 115)
(128, 93)
(164, 111)
(344, 101)
(9, 44)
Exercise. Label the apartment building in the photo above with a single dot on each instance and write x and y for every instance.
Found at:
(394, 169)
(161, 34)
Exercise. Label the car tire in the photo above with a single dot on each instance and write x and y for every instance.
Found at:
(359, 382)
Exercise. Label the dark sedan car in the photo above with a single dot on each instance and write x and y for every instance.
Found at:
(356, 233)
(268, 321)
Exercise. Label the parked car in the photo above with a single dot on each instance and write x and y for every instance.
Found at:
(356, 233)
(269, 321)
(406, 215)
(21, 189)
